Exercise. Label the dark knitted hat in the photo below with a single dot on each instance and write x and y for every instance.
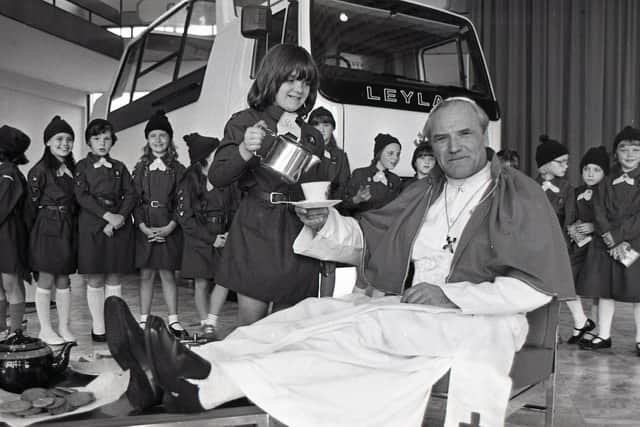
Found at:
(56, 126)
(321, 115)
(200, 146)
(98, 126)
(381, 141)
(158, 121)
(13, 143)
(421, 149)
(596, 156)
(627, 134)
(548, 150)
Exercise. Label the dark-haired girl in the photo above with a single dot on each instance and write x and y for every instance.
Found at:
(374, 186)
(106, 242)
(13, 231)
(158, 239)
(204, 212)
(53, 238)
(258, 261)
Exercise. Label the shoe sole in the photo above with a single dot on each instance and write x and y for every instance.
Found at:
(117, 315)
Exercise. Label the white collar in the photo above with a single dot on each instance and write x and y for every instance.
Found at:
(473, 181)
(158, 164)
(102, 162)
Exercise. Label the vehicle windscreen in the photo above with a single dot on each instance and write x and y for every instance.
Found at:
(396, 55)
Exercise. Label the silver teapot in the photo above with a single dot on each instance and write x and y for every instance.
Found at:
(289, 158)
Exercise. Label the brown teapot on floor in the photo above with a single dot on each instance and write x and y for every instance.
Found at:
(27, 362)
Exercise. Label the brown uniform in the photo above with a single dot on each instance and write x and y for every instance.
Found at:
(99, 190)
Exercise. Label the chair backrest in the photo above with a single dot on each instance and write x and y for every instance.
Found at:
(543, 323)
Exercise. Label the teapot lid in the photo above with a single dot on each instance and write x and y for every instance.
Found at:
(19, 342)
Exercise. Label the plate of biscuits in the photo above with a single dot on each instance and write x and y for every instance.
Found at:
(39, 404)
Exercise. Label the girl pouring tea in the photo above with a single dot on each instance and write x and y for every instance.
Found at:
(258, 261)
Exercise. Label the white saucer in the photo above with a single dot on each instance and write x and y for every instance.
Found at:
(311, 204)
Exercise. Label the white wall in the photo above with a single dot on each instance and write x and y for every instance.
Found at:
(30, 104)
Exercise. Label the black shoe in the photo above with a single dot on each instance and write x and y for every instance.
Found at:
(171, 363)
(638, 349)
(126, 344)
(589, 325)
(98, 337)
(181, 334)
(596, 344)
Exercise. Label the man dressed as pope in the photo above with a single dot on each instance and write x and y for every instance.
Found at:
(486, 248)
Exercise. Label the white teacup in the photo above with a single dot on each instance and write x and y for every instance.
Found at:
(316, 191)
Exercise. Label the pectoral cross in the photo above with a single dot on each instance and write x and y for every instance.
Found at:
(450, 242)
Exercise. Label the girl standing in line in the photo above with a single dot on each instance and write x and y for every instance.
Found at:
(258, 261)
(579, 221)
(552, 159)
(204, 212)
(106, 195)
(374, 186)
(617, 225)
(54, 236)
(158, 239)
(13, 231)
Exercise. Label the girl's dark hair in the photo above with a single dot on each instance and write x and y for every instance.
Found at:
(170, 157)
(281, 63)
(199, 186)
(98, 126)
(52, 163)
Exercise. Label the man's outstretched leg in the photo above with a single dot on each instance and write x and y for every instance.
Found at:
(126, 343)
(172, 364)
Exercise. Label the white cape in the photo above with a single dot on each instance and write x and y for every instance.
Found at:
(366, 362)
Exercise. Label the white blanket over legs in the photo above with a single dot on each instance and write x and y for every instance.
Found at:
(366, 362)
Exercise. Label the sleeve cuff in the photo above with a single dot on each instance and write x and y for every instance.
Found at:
(340, 240)
(506, 295)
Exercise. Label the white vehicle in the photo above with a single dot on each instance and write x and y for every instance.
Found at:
(383, 65)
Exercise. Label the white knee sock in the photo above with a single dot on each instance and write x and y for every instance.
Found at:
(212, 320)
(95, 300)
(113, 290)
(63, 304)
(43, 299)
(577, 313)
(606, 309)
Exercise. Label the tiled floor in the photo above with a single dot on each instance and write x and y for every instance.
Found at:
(593, 388)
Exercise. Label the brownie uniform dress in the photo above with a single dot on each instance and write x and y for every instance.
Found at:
(157, 186)
(104, 185)
(14, 236)
(579, 207)
(557, 191)
(53, 239)
(203, 217)
(381, 192)
(617, 210)
(258, 260)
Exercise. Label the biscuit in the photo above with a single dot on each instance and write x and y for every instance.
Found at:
(32, 394)
(80, 398)
(14, 406)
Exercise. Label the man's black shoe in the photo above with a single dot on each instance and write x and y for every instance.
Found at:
(172, 363)
(125, 339)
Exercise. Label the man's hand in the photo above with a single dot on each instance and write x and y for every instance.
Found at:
(314, 218)
(427, 294)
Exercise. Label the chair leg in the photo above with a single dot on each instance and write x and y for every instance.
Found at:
(550, 396)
